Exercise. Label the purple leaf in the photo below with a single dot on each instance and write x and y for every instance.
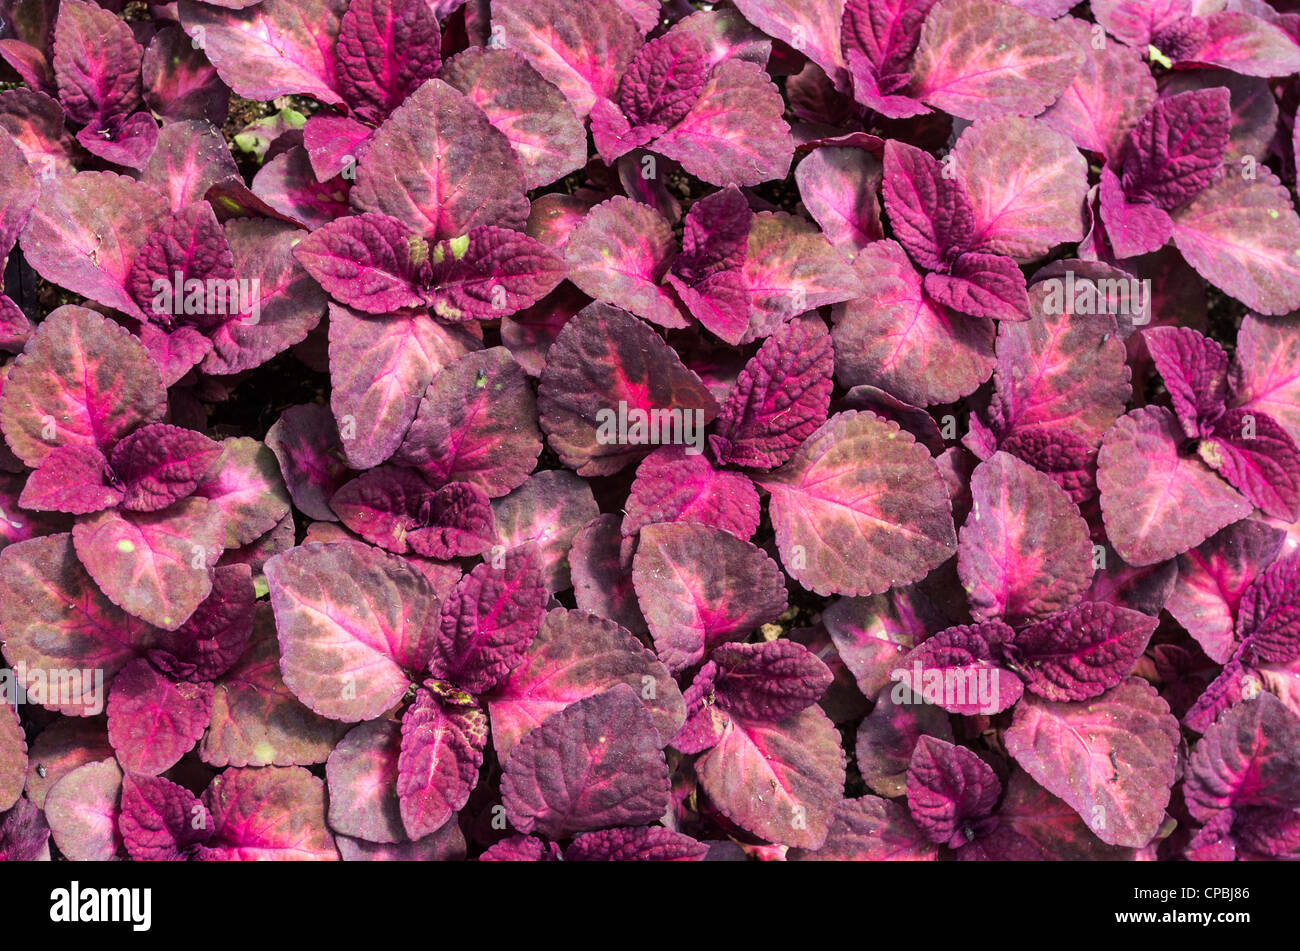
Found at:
(887, 737)
(82, 810)
(931, 214)
(160, 464)
(370, 262)
(699, 587)
(605, 362)
(245, 486)
(813, 29)
(734, 134)
(1111, 759)
(179, 83)
(768, 681)
(438, 166)
(860, 508)
(398, 510)
(664, 80)
(673, 486)
(1242, 236)
(277, 813)
(72, 479)
(1176, 151)
(492, 273)
(216, 634)
(96, 64)
(1081, 653)
(982, 285)
(1248, 758)
(584, 51)
(648, 844)
(276, 48)
(153, 720)
(577, 655)
(361, 774)
(386, 48)
(620, 254)
(1258, 457)
(951, 792)
(598, 763)
(979, 58)
(1269, 620)
(442, 749)
(488, 621)
(780, 398)
(897, 338)
(870, 829)
(476, 424)
(839, 188)
(355, 626)
(1156, 501)
(1195, 371)
(379, 367)
(781, 781)
(547, 135)
(1024, 552)
(306, 443)
(1267, 374)
(958, 670)
(86, 230)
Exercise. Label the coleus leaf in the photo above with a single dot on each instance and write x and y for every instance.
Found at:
(1024, 553)
(1241, 42)
(379, 368)
(72, 479)
(1266, 376)
(607, 357)
(577, 655)
(812, 29)
(13, 756)
(1195, 371)
(898, 338)
(779, 399)
(768, 681)
(1242, 236)
(160, 464)
(82, 381)
(951, 792)
(160, 821)
(1027, 186)
(979, 58)
(1157, 502)
(1176, 151)
(545, 132)
(790, 268)
(1110, 93)
(1138, 23)
(386, 48)
(889, 734)
(96, 64)
(646, 844)
(179, 83)
(245, 486)
(442, 748)
(547, 510)
(476, 423)
(305, 440)
(494, 273)
(343, 609)
(700, 586)
(1083, 652)
(276, 48)
(881, 35)
(288, 185)
(153, 720)
(488, 621)
(932, 215)
(85, 231)
(361, 775)
(155, 565)
(276, 813)
(400, 512)
(60, 748)
(960, 670)
(674, 486)
(1213, 577)
(583, 52)
(982, 285)
(18, 193)
(1131, 228)
(455, 170)
(1111, 758)
(82, 809)
(781, 781)
(1269, 619)
(664, 80)
(595, 764)
(1258, 457)
(1248, 758)
(24, 834)
(368, 261)
(601, 570)
(43, 633)
(620, 254)
(834, 538)
(870, 829)
(216, 634)
(839, 187)
(256, 719)
(734, 134)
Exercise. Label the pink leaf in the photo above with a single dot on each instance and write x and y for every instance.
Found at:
(673, 486)
(442, 750)
(275, 814)
(153, 720)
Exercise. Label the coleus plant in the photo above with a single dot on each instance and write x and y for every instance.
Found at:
(535, 431)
